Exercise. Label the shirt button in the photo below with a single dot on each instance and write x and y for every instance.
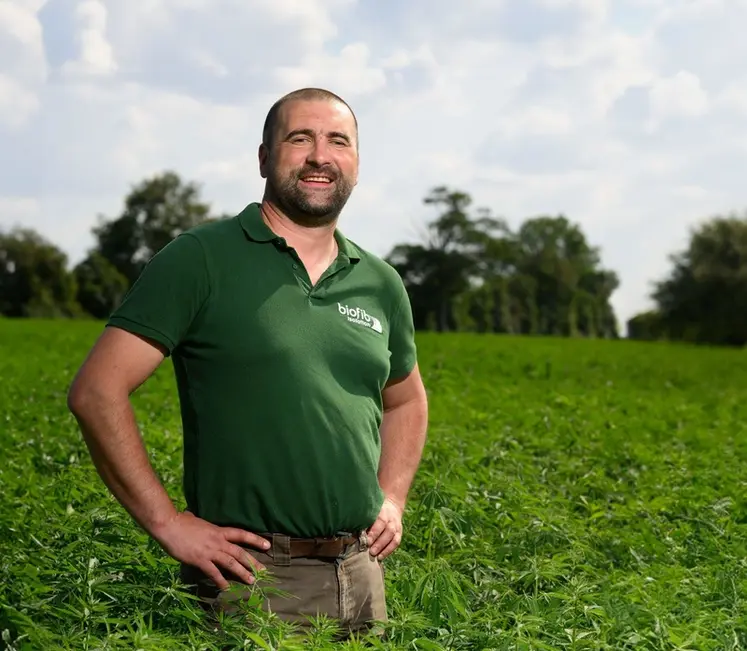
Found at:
(295, 266)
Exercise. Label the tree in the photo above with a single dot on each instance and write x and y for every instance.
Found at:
(34, 279)
(646, 326)
(473, 273)
(436, 272)
(101, 286)
(704, 297)
(155, 212)
(572, 293)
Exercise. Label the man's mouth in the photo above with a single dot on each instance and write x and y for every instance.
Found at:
(316, 180)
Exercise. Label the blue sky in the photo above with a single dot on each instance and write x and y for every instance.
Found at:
(628, 116)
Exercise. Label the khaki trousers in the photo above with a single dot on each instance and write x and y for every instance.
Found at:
(348, 589)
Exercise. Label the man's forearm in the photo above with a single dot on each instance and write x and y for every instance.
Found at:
(110, 431)
(403, 434)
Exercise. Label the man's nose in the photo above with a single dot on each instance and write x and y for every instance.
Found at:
(319, 153)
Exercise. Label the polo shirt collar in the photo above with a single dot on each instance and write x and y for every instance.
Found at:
(255, 227)
(347, 248)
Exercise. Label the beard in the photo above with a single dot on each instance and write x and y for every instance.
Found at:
(308, 207)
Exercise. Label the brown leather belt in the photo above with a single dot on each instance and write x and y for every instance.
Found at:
(322, 547)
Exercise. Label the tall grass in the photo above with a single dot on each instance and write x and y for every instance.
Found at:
(573, 495)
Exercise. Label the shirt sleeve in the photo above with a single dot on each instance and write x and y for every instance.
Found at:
(168, 295)
(402, 348)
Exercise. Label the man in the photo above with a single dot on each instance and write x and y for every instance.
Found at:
(303, 409)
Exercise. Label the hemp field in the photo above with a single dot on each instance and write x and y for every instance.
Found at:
(573, 495)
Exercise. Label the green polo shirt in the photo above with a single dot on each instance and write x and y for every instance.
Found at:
(279, 381)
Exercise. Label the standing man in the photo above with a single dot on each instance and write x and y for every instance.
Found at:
(302, 405)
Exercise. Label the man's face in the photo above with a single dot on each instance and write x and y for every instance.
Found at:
(312, 166)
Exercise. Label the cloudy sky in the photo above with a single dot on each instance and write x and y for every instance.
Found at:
(628, 116)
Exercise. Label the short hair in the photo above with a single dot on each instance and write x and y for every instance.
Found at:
(268, 130)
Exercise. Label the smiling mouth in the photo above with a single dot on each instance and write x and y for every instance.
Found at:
(316, 180)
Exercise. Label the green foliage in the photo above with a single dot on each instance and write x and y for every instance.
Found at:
(646, 326)
(474, 273)
(437, 273)
(470, 272)
(100, 286)
(574, 495)
(704, 297)
(155, 212)
(34, 280)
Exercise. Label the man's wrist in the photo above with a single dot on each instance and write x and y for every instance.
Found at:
(396, 500)
(160, 525)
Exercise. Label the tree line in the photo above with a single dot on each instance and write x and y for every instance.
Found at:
(469, 272)
(35, 280)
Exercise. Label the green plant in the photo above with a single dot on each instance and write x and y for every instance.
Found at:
(573, 495)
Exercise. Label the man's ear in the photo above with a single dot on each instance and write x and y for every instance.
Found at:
(263, 154)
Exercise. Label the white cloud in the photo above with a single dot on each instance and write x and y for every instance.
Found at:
(18, 210)
(734, 98)
(537, 121)
(96, 56)
(596, 10)
(23, 68)
(694, 9)
(19, 21)
(316, 22)
(349, 72)
(681, 95)
(209, 63)
(17, 104)
(618, 114)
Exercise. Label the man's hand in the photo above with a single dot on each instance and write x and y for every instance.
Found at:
(196, 542)
(385, 534)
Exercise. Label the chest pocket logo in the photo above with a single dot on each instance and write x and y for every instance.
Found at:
(360, 317)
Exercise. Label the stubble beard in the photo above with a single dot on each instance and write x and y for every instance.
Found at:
(298, 205)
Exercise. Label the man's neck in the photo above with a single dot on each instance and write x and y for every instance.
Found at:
(314, 243)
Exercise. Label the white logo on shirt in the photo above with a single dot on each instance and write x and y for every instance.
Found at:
(360, 316)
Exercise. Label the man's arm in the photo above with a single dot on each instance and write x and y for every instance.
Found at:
(403, 435)
(99, 398)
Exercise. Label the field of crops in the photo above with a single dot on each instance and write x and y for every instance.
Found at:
(573, 495)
